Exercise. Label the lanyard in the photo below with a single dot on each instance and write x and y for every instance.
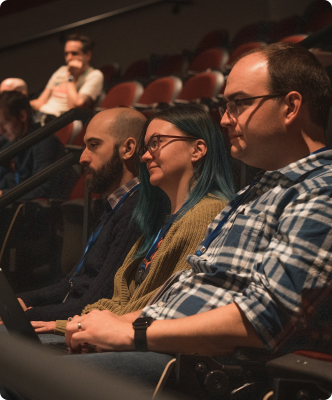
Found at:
(17, 178)
(159, 236)
(319, 150)
(102, 221)
(237, 202)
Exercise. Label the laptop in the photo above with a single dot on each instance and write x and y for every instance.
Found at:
(16, 322)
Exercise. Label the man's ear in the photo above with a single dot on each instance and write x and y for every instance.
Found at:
(199, 150)
(23, 117)
(128, 148)
(293, 102)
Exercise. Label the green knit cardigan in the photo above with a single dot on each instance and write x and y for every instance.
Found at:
(181, 240)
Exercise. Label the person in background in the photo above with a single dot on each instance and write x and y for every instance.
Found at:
(16, 123)
(73, 85)
(17, 84)
(10, 84)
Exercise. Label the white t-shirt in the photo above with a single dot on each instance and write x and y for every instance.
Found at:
(90, 84)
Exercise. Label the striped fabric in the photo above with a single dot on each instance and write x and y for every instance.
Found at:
(116, 196)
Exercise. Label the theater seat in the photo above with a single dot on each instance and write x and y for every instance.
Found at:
(286, 27)
(215, 38)
(111, 74)
(162, 90)
(138, 69)
(172, 64)
(72, 134)
(256, 32)
(215, 58)
(204, 85)
(294, 38)
(122, 95)
(319, 21)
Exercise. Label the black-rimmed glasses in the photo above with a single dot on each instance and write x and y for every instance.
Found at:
(232, 105)
(154, 143)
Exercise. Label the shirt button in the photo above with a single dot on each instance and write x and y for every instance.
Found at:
(160, 303)
(259, 192)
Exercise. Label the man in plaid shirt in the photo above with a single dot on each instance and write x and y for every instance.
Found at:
(269, 246)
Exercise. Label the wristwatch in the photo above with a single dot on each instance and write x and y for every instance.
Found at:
(140, 326)
(71, 78)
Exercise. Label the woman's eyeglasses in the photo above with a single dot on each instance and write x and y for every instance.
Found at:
(154, 143)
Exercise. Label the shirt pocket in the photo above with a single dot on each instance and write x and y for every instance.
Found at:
(242, 241)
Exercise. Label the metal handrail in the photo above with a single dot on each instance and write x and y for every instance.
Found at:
(30, 140)
(80, 23)
(42, 176)
(91, 20)
(34, 181)
(44, 132)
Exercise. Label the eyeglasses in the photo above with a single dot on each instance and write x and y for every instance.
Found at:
(154, 143)
(232, 105)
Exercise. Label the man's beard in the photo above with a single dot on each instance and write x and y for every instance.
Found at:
(110, 173)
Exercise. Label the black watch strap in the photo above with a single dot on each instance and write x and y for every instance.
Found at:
(140, 326)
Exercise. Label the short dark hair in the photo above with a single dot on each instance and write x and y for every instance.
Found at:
(87, 43)
(13, 102)
(293, 68)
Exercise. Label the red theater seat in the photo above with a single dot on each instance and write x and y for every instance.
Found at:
(162, 90)
(209, 59)
(122, 95)
(203, 85)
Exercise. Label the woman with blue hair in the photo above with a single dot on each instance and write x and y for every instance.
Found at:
(185, 182)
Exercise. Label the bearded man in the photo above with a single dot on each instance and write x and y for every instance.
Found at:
(109, 160)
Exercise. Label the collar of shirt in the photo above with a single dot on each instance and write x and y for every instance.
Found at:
(294, 171)
(267, 180)
(115, 197)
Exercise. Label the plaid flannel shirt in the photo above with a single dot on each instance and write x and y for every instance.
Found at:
(273, 246)
(116, 196)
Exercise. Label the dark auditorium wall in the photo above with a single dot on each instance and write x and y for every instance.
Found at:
(123, 38)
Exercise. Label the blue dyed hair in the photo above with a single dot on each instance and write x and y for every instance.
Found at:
(211, 175)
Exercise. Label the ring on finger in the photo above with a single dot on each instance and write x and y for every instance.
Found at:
(79, 326)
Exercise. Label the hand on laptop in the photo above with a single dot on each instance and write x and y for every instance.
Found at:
(43, 326)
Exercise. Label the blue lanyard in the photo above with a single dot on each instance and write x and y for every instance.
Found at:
(319, 150)
(159, 236)
(93, 237)
(237, 202)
